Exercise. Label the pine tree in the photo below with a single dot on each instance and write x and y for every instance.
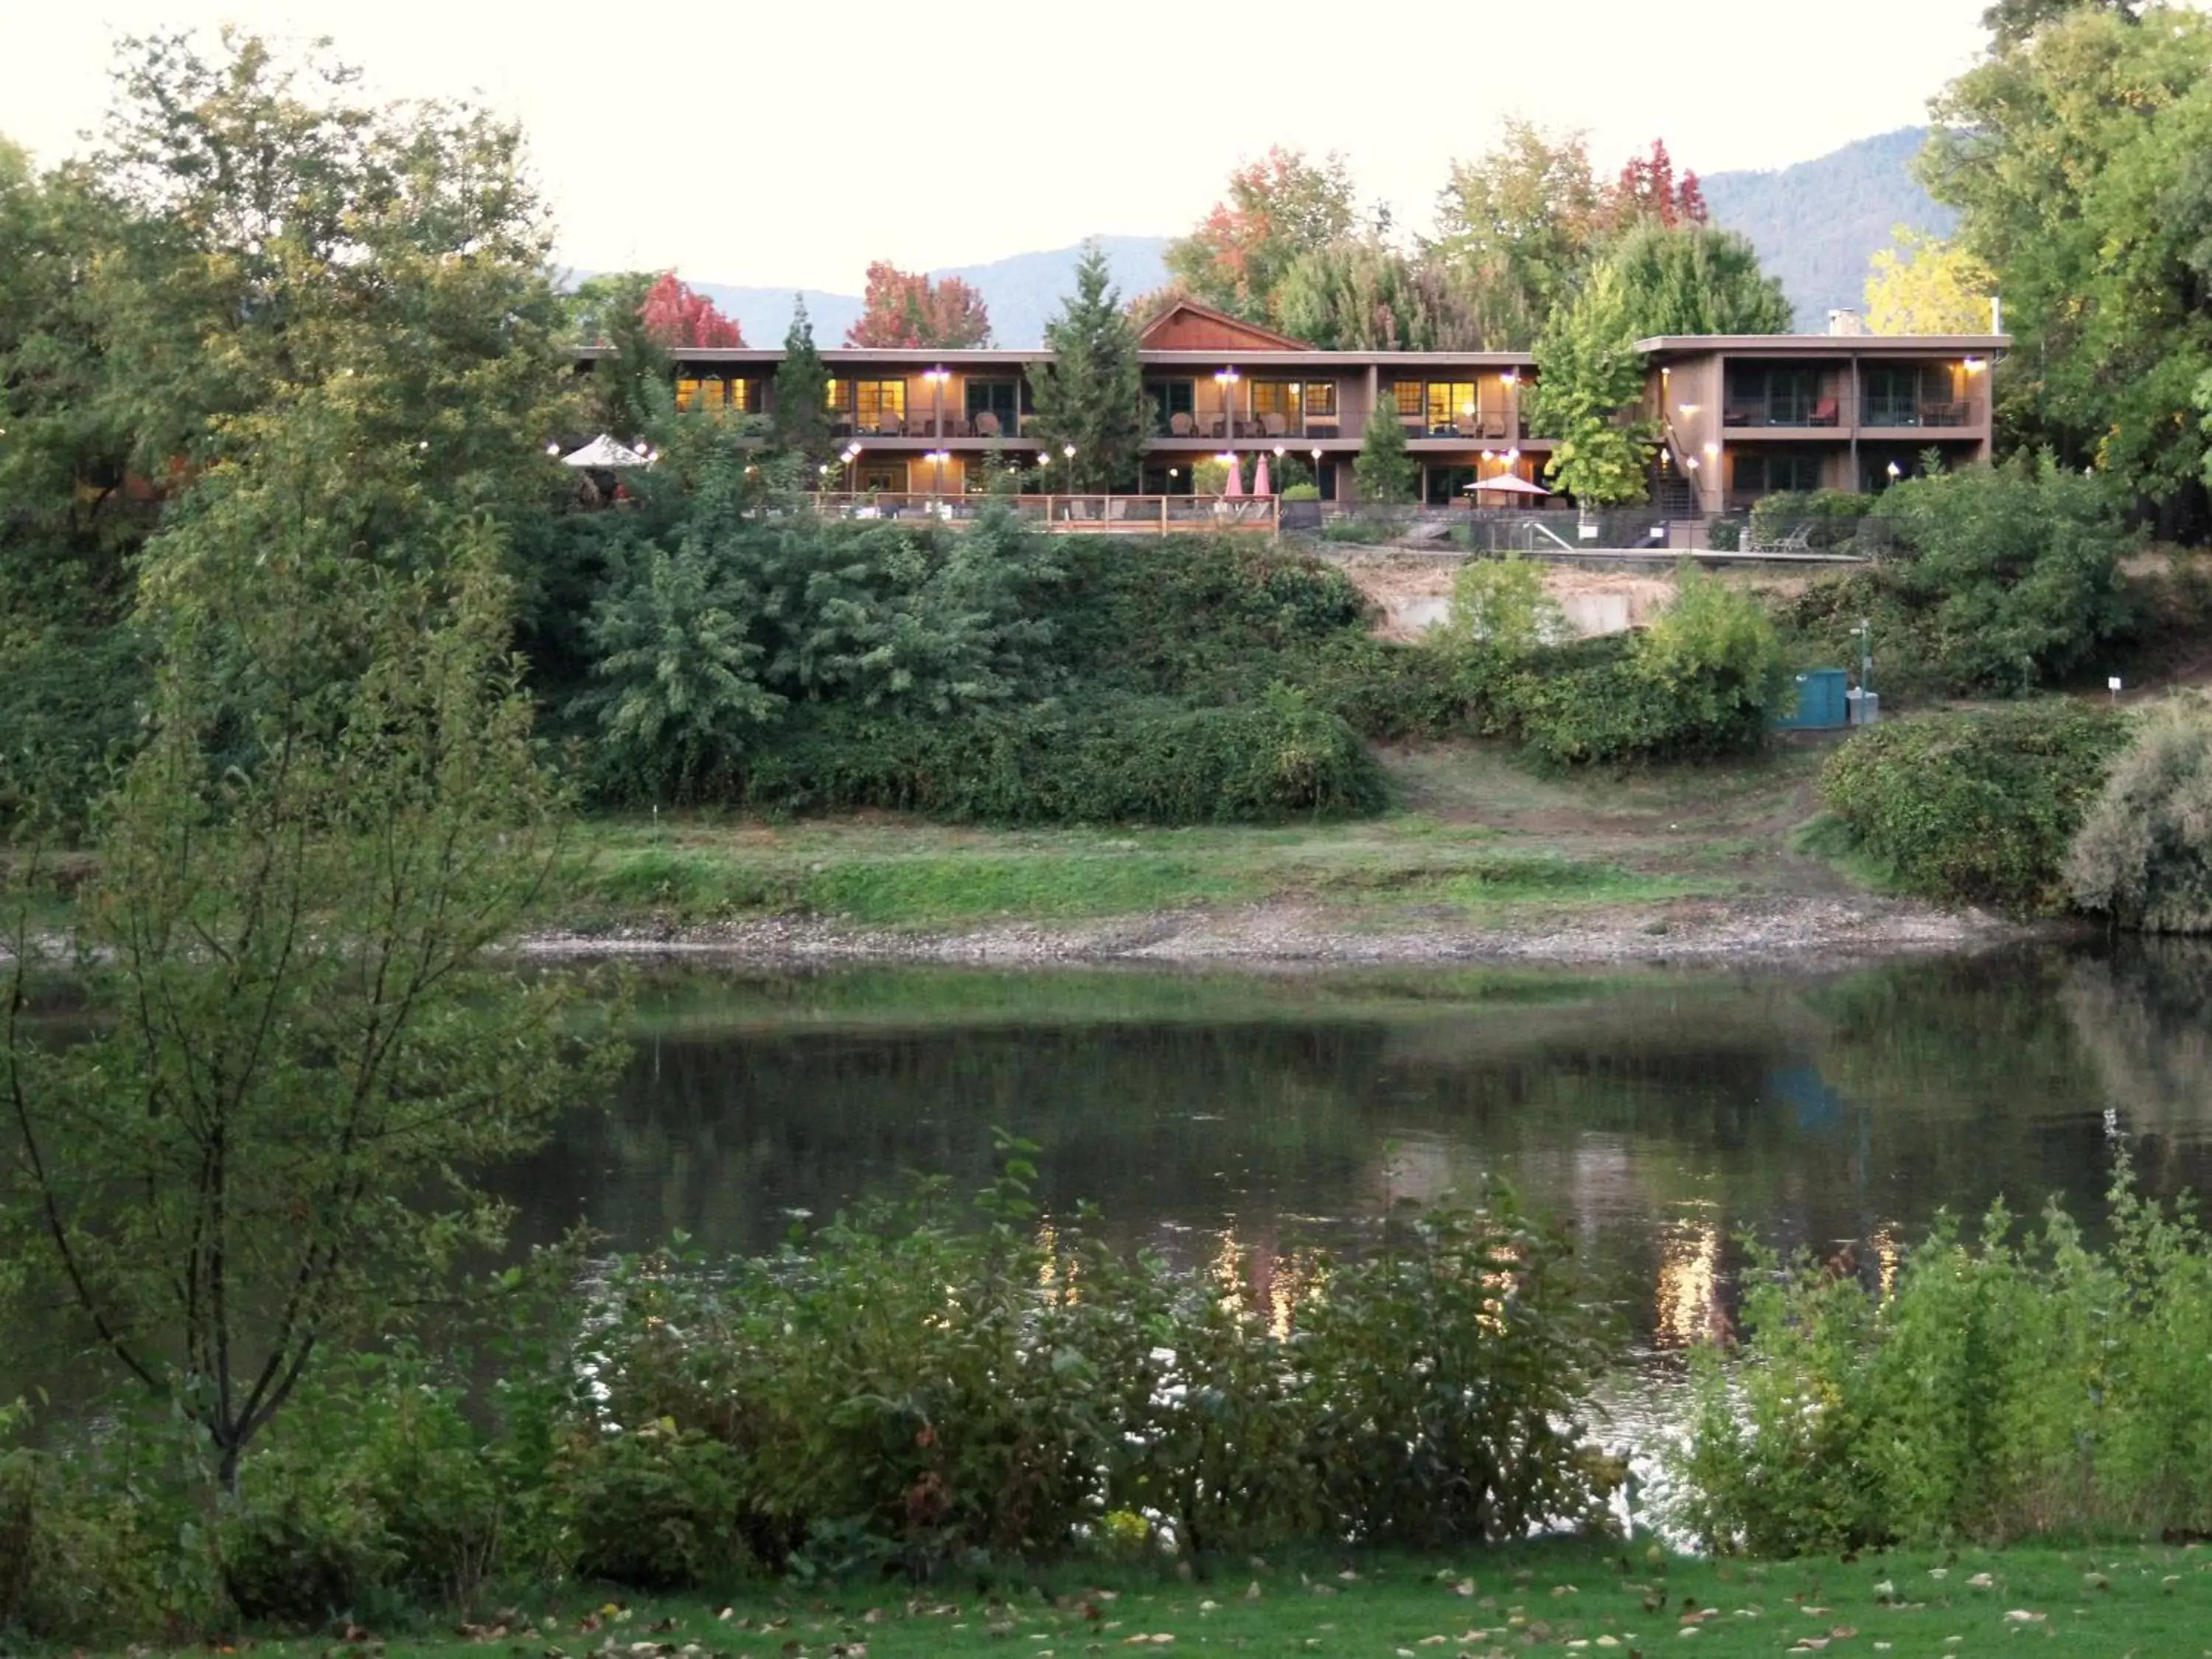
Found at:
(1092, 393)
(798, 421)
(1384, 467)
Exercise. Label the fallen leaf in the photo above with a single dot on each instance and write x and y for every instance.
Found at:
(2022, 1616)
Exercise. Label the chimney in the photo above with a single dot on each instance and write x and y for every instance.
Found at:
(1997, 313)
(1846, 322)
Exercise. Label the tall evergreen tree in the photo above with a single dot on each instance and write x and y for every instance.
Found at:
(1092, 393)
(799, 423)
(1384, 467)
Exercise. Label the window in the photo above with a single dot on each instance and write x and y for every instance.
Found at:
(1408, 394)
(1172, 398)
(741, 396)
(1283, 398)
(1771, 475)
(883, 476)
(993, 397)
(1453, 406)
(878, 404)
(1777, 396)
(700, 393)
(837, 397)
(1321, 400)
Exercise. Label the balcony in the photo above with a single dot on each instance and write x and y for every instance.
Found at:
(1500, 424)
(1818, 411)
(921, 427)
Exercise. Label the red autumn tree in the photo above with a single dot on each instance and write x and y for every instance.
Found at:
(1647, 190)
(905, 309)
(675, 316)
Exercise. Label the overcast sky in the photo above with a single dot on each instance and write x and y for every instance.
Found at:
(790, 144)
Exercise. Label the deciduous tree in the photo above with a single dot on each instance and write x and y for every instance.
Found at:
(1589, 375)
(1276, 209)
(1923, 284)
(1520, 220)
(2072, 157)
(1693, 279)
(305, 1054)
(906, 308)
(675, 315)
(1367, 295)
(1648, 192)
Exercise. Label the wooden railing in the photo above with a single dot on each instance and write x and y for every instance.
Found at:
(1108, 515)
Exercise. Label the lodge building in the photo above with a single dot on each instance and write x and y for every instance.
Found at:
(1740, 416)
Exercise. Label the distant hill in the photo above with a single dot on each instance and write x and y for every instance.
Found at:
(1816, 225)
(1022, 292)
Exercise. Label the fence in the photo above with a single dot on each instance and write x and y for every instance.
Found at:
(1103, 515)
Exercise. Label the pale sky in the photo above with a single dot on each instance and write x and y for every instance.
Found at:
(785, 144)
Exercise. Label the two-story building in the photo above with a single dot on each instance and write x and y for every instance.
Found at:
(1740, 416)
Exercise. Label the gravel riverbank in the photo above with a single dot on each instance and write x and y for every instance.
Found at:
(1765, 926)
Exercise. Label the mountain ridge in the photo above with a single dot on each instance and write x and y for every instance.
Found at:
(1815, 224)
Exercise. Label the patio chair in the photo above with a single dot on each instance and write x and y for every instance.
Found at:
(1799, 540)
(1117, 508)
(987, 425)
(1078, 512)
(1824, 412)
(1181, 425)
(1275, 426)
(888, 426)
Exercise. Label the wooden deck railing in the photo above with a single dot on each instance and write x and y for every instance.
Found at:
(1108, 515)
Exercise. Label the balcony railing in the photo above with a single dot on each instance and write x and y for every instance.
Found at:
(1476, 426)
(1815, 411)
(1111, 515)
(1212, 426)
(986, 424)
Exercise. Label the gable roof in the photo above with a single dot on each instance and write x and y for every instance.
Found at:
(1204, 328)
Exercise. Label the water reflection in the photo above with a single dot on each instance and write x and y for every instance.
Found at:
(1240, 1123)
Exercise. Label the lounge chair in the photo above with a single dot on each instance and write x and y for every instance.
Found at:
(1824, 412)
(1117, 509)
(1078, 512)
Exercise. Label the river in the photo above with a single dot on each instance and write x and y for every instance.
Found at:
(1662, 1117)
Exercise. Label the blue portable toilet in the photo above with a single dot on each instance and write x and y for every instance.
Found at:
(1823, 703)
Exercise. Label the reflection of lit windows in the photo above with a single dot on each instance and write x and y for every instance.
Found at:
(1408, 396)
(1689, 1273)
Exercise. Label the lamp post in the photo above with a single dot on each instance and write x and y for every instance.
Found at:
(936, 377)
(1068, 450)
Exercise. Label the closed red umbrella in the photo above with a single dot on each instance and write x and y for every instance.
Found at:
(1235, 483)
(1261, 484)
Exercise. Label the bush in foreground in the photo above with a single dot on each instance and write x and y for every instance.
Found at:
(908, 1390)
(2143, 856)
(1975, 808)
(2007, 1388)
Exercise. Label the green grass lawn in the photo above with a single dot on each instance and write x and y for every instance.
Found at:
(2117, 1600)
(1476, 835)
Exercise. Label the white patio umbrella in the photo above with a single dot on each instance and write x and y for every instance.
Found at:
(604, 454)
(1509, 484)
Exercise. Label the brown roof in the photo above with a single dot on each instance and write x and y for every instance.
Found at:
(1208, 328)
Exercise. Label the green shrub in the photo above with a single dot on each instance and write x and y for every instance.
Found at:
(656, 1506)
(2035, 1387)
(2143, 853)
(2002, 580)
(1128, 761)
(1702, 681)
(1501, 608)
(1830, 517)
(900, 1389)
(1975, 808)
(1303, 492)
